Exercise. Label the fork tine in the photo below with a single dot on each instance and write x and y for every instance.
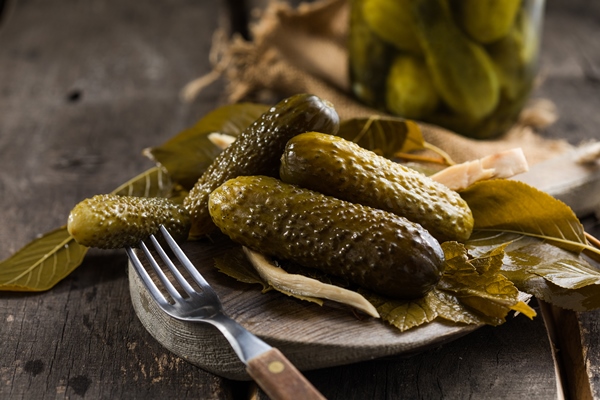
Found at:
(185, 261)
(143, 274)
(180, 279)
(159, 272)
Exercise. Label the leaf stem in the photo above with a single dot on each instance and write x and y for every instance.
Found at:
(595, 251)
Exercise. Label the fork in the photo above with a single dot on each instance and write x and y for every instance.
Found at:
(269, 368)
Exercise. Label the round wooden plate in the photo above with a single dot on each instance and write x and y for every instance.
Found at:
(311, 336)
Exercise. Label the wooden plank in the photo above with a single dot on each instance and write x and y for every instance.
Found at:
(570, 69)
(84, 87)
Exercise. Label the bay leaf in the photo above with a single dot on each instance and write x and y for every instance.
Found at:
(504, 205)
(154, 182)
(48, 259)
(383, 135)
(187, 154)
(42, 263)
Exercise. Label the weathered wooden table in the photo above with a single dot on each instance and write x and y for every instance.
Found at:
(84, 86)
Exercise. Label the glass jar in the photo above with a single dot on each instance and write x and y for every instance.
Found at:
(466, 65)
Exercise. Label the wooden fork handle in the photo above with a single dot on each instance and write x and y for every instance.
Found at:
(278, 377)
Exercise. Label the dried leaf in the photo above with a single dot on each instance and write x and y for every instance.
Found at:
(304, 287)
(190, 152)
(471, 291)
(383, 135)
(403, 315)
(479, 284)
(557, 276)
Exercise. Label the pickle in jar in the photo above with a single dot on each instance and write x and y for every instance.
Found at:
(461, 70)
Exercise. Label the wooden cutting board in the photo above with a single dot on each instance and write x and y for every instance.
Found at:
(314, 336)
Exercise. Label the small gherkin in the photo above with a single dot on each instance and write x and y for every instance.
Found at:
(373, 248)
(258, 149)
(337, 167)
(461, 70)
(112, 221)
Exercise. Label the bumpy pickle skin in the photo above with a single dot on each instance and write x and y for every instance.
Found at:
(113, 222)
(258, 149)
(337, 167)
(409, 91)
(461, 70)
(375, 249)
(486, 21)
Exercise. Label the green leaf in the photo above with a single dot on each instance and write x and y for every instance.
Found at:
(583, 299)
(235, 264)
(45, 261)
(510, 206)
(555, 275)
(189, 153)
(155, 182)
(403, 315)
(383, 135)
(42, 263)
(479, 285)
(449, 307)
(471, 291)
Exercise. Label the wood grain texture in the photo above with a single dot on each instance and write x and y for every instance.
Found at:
(570, 72)
(84, 87)
(310, 336)
(490, 363)
(279, 378)
(570, 68)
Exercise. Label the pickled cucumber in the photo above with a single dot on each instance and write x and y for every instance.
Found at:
(461, 70)
(409, 91)
(372, 248)
(486, 20)
(369, 57)
(113, 221)
(515, 58)
(392, 21)
(258, 149)
(337, 167)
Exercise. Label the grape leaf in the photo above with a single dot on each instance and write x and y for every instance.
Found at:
(504, 205)
(47, 260)
(383, 135)
(557, 276)
(403, 315)
(471, 291)
(187, 154)
(479, 284)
